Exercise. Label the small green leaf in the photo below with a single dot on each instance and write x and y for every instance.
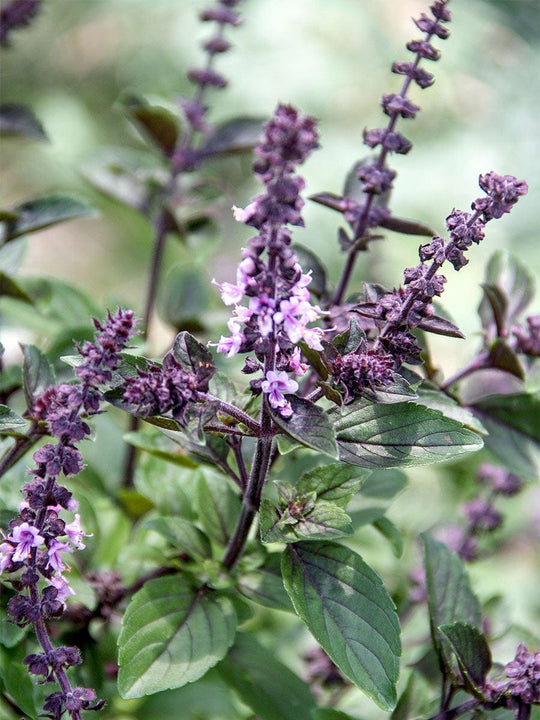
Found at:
(192, 354)
(514, 281)
(502, 357)
(349, 612)
(10, 421)
(472, 653)
(19, 120)
(323, 521)
(407, 227)
(384, 484)
(45, 211)
(156, 444)
(349, 340)
(309, 425)
(182, 534)
(218, 506)
(399, 434)
(38, 373)
(388, 530)
(336, 483)
(184, 299)
(156, 122)
(450, 596)
(234, 136)
(514, 431)
(494, 300)
(12, 289)
(264, 684)
(264, 584)
(171, 635)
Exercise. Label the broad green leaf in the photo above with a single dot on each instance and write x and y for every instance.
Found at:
(399, 434)
(19, 120)
(472, 653)
(233, 136)
(336, 483)
(156, 444)
(12, 289)
(514, 280)
(322, 521)
(309, 425)
(450, 596)
(184, 298)
(16, 681)
(384, 484)
(218, 506)
(349, 612)
(264, 584)
(10, 421)
(437, 400)
(43, 212)
(413, 701)
(514, 431)
(38, 374)
(182, 534)
(388, 530)
(265, 684)
(171, 635)
(156, 122)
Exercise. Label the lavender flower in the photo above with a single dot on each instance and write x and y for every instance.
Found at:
(522, 686)
(278, 309)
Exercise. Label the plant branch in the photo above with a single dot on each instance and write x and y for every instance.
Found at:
(455, 712)
(21, 446)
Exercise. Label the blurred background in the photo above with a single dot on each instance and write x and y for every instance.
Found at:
(332, 60)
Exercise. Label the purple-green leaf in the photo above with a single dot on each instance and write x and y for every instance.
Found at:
(349, 612)
(309, 425)
(44, 212)
(472, 654)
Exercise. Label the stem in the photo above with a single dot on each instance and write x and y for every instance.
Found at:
(234, 412)
(479, 362)
(457, 711)
(21, 446)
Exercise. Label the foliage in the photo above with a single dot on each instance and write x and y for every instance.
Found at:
(226, 565)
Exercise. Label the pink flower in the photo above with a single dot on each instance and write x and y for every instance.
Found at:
(55, 559)
(275, 385)
(61, 584)
(230, 294)
(75, 534)
(296, 363)
(231, 345)
(6, 551)
(26, 536)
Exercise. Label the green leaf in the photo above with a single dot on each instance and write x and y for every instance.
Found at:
(450, 596)
(45, 211)
(19, 120)
(218, 506)
(407, 227)
(514, 281)
(502, 357)
(310, 262)
(159, 124)
(309, 425)
(330, 714)
(12, 289)
(437, 400)
(399, 434)
(171, 635)
(38, 373)
(234, 136)
(10, 421)
(388, 530)
(265, 684)
(472, 653)
(182, 534)
(184, 299)
(349, 340)
(514, 431)
(322, 521)
(384, 484)
(349, 612)
(156, 444)
(264, 584)
(336, 483)
(16, 681)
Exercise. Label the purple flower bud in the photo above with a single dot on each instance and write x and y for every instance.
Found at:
(220, 14)
(501, 480)
(397, 104)
(431, 27)
(503, 192)
(482, 515)
(420, 76)
(528, 340)
(205, 77)
(423, 49)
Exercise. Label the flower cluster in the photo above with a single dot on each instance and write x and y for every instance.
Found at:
(278, 309)
(16, 14)
(169, 388)
(375, 177)
(521, 688)
(38, 539)
(364, 368)
(185, 157)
